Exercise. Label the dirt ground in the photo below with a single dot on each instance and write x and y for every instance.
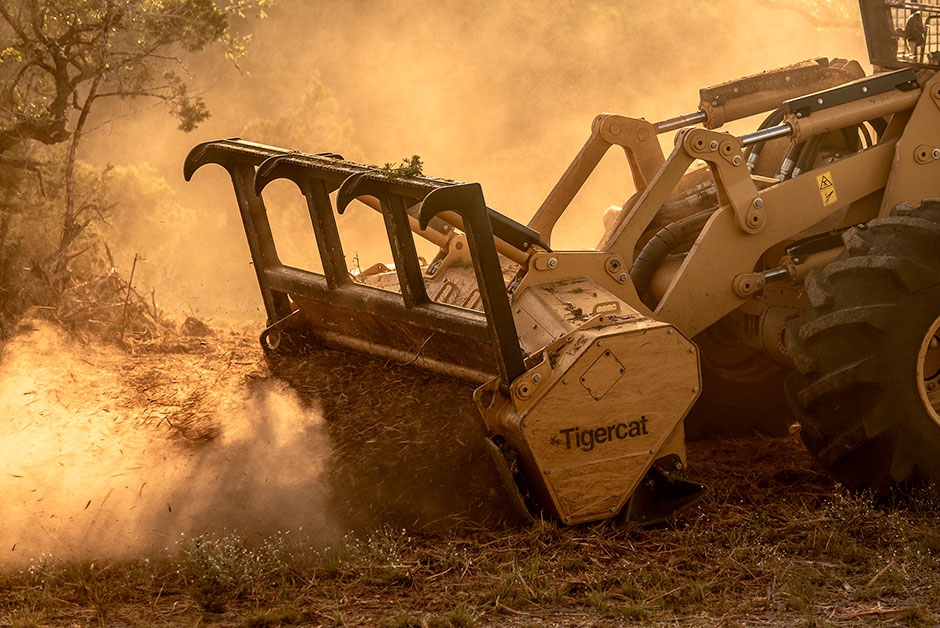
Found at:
(219, 494)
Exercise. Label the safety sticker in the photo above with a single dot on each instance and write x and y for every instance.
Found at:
(827, 190)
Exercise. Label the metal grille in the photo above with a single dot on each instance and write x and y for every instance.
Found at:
(901, 12)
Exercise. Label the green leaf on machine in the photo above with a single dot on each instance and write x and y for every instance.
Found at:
(409, 167)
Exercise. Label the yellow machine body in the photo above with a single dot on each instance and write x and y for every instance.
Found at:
(606, 400)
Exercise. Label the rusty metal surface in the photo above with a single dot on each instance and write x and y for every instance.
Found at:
(369, 330)
(406, 326)
(755, 94)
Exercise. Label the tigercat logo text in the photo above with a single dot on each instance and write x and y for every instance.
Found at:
(586, 439)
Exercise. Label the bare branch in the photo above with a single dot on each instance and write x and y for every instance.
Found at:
(16, 26)
(21, 163)
(138, 93)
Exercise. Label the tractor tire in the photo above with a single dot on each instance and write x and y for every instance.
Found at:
(742, 389)
(867, 386)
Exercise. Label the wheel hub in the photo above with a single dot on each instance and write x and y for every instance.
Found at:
(928, 371)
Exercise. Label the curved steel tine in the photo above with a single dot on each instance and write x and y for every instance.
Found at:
(395, 215)
(198, 156)
(460, 199)
(195, 159)
(268, 171)
(352, 186)
(202, 154)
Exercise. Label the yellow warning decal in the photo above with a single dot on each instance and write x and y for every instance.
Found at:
(827, 189)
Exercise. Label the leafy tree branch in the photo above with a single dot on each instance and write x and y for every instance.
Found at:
(58, 56)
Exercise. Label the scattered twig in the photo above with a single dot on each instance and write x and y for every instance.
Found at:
(877, 575)
(127, 300)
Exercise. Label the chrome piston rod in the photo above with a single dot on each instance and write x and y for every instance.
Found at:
(681, 121)
(764, 135)
(690, 119)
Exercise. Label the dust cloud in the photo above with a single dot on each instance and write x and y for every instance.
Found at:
(88, 471)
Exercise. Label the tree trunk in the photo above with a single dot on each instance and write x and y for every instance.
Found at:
(72, 227)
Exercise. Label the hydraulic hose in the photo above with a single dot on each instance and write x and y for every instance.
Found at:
(678, 208)
(808, 155)
(789, 161)
(666, 240)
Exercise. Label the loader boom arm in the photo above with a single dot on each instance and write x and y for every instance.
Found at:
(712, 280)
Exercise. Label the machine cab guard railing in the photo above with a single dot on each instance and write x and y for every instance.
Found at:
(902, 33)
(332, 309)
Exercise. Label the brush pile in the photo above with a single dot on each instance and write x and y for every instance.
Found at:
(109, 307)
(409, 446)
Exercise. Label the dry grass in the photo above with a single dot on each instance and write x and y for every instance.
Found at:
(775, 542)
